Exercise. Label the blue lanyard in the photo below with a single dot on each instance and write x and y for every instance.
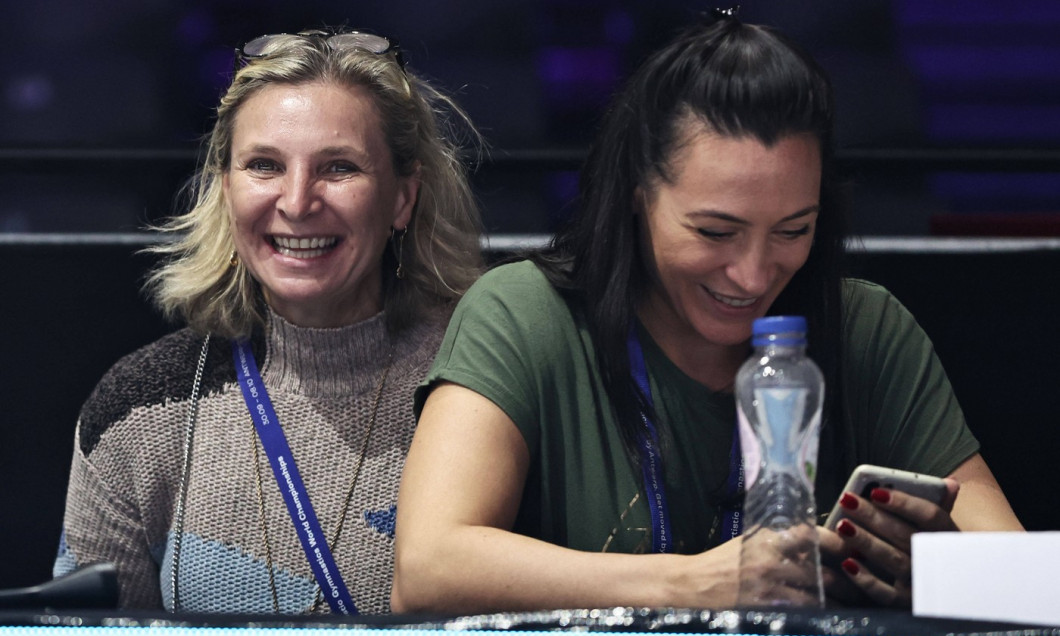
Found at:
(654, 475)
(306, 525)
(650, 460)
(732, 508)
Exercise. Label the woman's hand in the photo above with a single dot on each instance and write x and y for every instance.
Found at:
(778, 566)
(873, 546)
(770, 573)
(868, 558)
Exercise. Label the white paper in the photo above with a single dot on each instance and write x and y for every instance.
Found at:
(996, 576)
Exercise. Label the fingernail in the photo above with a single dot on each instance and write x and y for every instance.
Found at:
(848, 501)
(846, 529)
(851, 567)
(881, 495)
(856, 554)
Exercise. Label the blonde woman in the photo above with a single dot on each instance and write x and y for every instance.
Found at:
(249, 462)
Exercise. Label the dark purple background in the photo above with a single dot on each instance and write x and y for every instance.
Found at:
(533, 75)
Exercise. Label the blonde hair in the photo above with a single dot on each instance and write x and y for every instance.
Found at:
(440, 254)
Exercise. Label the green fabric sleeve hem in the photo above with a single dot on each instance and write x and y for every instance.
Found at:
(519, 414)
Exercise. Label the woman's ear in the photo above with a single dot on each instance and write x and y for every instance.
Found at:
(408, 194)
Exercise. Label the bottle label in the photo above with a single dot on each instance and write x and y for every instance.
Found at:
(752, 453)
(780, 439)
(808, 450)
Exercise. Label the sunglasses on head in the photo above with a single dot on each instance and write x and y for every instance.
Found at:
(259, 46)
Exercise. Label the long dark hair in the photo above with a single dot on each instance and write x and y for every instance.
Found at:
(743, 81)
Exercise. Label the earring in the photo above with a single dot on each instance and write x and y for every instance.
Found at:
(234, 259)
(399, 248)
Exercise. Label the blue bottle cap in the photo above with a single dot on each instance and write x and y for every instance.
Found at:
(763, 328)
(779, 324)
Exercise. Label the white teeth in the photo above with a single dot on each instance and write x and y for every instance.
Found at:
(304, 247)
(733, 302)
(299, 253)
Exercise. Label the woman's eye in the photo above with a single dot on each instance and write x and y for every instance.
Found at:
(715, 235)
(795, 232)
(342, 167)
(261, 165)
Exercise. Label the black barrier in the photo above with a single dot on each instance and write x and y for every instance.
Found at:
(93, 586)
(72, 306)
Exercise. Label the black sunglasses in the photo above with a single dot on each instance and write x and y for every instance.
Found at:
(256, 48)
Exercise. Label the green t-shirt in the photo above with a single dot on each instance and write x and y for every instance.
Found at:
(515, 340)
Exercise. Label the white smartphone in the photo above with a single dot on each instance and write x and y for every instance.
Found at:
(866, 477)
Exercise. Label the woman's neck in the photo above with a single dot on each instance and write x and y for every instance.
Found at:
(325, 362)
(710, 364)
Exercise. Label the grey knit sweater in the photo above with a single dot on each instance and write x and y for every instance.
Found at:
(129, 451)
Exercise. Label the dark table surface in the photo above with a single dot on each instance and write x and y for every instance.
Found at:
(626, 620)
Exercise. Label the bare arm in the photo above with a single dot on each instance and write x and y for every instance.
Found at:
(981, 505)
(455, 551)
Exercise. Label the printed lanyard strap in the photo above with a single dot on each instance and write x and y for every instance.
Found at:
(650, 461)
(654, 475)
(306, 525)
(732, 509)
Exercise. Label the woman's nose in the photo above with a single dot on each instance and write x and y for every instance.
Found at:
(300, 197)
(750, 270)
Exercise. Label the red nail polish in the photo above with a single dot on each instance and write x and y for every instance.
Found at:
(846, 529)
(881, 495)
(848, 501)
(851, 567)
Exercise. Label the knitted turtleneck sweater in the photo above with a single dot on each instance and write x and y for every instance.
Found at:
(128, 460)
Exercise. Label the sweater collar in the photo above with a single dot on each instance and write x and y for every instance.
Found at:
(340, 362)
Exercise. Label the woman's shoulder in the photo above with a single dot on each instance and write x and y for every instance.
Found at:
(875, 322)
(866, 300)
(516, 285)
(515, 298)
(859, 290)
(517, 310)
(155, 374)
(523, 273)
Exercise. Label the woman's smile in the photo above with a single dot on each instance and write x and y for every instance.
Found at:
(303, 248)
(731, 301)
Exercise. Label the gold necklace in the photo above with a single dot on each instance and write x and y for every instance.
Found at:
(345, 505)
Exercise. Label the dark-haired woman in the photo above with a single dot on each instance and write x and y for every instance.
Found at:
(705, 205)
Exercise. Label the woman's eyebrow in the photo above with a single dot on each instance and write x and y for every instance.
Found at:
(725, 216)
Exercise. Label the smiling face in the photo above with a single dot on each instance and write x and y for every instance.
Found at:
(312, 197)
(724, 238)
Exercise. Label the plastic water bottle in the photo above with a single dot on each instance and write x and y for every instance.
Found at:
(779, 392)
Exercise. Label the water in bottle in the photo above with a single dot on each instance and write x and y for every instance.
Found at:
(779, 392)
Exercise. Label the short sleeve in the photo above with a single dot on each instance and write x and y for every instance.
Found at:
(903, 409)
(504, 341)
